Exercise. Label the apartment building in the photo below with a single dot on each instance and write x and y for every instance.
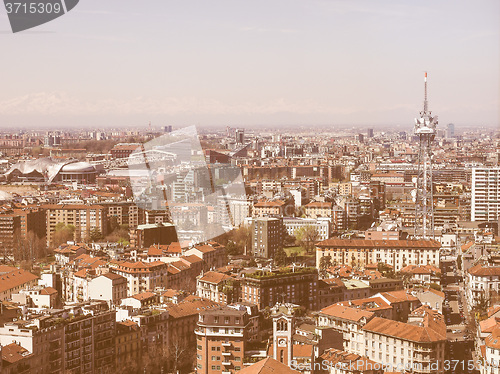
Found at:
(341, 362)
(318, 209)
(485, 200)
(218, 287)
(83, 217)
(144, 236)
(13, 280)
(10, 229)
(269, 208)
(89, 345)
(491, 353)
(267, 236)
(16, 224)
(14, 359)
(221, 340)
(183, 319)
(123, 213)
(128, 345)
(40, 339)
(419, 344)
(290, 285)
(322, 225)
(482, 281)
(339, 218)
(347, 321)
(397, 253)
(142, 276)
(109, 287)
(155, 331)
(77, 340)
(212, 253)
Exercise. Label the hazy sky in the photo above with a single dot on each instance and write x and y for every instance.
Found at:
(123, 62)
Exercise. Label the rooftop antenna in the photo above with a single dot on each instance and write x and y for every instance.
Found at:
(425, 129)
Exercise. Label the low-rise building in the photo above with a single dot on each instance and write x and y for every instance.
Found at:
(419, 345)
(218, 287)
(397, 253)
(109, 287)
(13, 280)
(142, 276)
(482, 281)
(348, 321)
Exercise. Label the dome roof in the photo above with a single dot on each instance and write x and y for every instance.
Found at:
(78, 167)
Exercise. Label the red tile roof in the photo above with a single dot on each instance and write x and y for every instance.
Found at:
(191, 306)
(493, 340)
(13, 353)
(484, 271)
(346, 313)
(360, 243)
(405, 331)
(214, 277)
(268, 366)
(398, 296)
(15, 278)
(48, 291)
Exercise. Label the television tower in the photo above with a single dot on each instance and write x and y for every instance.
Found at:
(425, 129)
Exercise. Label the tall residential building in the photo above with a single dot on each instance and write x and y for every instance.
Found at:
(267, 236)
(485, 201)
(83, 217)
(450, 131)
(221, 339)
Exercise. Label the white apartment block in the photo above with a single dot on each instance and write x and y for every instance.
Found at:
(485, 201)
(419, 346)
(397, 253)
(322, 225)
(348, 321)
(491, 364)
(142, 276)
(482, 281)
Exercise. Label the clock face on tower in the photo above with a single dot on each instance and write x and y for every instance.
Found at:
(282, 342)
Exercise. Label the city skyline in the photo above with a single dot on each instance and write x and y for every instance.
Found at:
(270, 64)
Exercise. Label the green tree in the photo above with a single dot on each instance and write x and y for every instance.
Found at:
(95, 234)
(63, 233)
(280, 257)
(307, 236)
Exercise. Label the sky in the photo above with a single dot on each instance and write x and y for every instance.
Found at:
(123, 63)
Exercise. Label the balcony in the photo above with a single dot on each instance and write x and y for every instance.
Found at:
(53, 356)
(226, 353)
(226, 372)
(226, 344)
(226, 363)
